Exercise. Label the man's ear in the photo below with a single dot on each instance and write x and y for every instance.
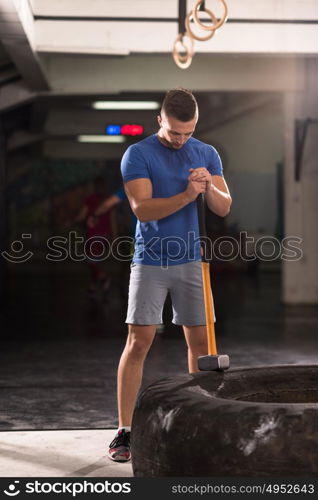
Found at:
(159, 120)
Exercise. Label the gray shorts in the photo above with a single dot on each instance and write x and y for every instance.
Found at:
(148, 289)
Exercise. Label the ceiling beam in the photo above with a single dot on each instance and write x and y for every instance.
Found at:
(13, 95)
(16, 31)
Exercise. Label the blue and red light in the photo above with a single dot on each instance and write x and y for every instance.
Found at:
(131, 130)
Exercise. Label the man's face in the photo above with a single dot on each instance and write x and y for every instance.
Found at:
(173, 132)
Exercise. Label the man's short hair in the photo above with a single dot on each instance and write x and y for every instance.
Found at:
(181, 104)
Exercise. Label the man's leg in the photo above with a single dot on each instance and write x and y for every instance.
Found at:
(129, 379)
(197, 342)
(147, 293)
(130, 369)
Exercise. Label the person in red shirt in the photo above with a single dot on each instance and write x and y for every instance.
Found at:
(99, 228)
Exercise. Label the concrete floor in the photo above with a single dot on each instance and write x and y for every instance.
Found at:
(77, 453)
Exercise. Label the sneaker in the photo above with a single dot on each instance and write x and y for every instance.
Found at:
(119, 448)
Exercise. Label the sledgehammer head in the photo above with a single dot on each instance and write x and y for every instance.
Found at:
(210, 363)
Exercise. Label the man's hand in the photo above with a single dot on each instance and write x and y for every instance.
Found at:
(200, 174)
(217, 193)
(194, 188)
(199, 181)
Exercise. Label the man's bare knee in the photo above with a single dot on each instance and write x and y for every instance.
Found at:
(139, 340)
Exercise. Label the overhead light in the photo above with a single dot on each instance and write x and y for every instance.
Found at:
(139, 105)
(101, 138)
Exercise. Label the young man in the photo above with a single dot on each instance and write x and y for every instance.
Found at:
(163, 175)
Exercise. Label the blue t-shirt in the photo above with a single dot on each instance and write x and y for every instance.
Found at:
(173, 239)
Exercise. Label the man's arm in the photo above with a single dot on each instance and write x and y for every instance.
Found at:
(218, 196)
(80, 217)
(107, 204)
(217, 192)
(146, 208)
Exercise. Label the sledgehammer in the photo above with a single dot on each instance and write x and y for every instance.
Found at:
(213, 360)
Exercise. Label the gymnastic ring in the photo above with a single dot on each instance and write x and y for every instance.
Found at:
(178, 55)
(214, 26)
(183, 61)
(188, 27)
(189, 50)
